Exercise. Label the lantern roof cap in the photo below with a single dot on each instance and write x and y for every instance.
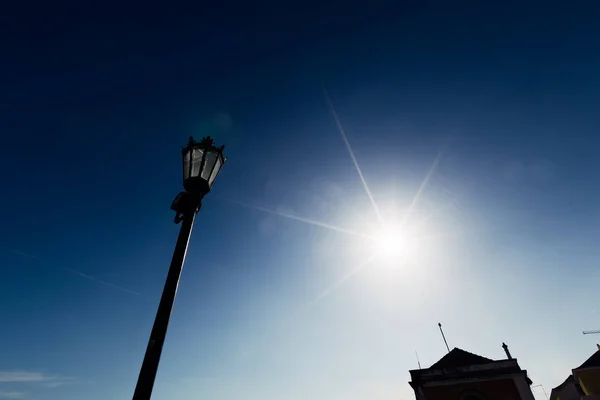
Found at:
(205, 142)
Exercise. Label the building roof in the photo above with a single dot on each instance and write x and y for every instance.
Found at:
(459, 358)
(554, 395)
(459, 364)
(592, 362)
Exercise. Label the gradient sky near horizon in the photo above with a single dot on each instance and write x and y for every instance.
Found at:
(481, 118)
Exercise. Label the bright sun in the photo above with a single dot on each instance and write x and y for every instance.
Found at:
(389, 244)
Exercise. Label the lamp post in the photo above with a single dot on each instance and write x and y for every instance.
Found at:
(202, 162)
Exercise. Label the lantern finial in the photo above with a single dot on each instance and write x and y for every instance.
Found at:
(207, 141)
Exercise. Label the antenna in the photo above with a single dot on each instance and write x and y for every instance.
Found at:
(543, 390)
(443, 336)
(418, 362)
(591, 332)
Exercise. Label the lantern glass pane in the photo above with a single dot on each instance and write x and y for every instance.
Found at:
(186, 165)
(215, 171)
(211, 159)
(196, 162)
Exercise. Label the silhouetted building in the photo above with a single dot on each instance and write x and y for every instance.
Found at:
(568, 390)
(461, 375)
(588, 376)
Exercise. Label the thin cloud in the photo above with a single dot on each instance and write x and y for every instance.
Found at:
(24, 376)
(12, 395)
(53, 384)
(33, 378)
(77, 272)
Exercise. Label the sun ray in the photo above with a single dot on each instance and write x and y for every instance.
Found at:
(352, 156)
(343, 279)
(423, 221)
(422, 187)
(301, 219)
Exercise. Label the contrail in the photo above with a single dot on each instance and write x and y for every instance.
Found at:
(22, 254)
(301, 219)
(100, 281)
(349, 148)
(75, 272)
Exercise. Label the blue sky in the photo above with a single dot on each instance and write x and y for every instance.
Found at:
(480, 119)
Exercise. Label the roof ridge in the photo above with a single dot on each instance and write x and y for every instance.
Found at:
(473, 354)
(592, 361)
(458, 357)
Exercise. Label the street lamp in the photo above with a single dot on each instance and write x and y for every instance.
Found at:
(202, 162)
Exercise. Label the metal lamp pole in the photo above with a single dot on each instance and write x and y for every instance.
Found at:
(145, 383)
(201, 162)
